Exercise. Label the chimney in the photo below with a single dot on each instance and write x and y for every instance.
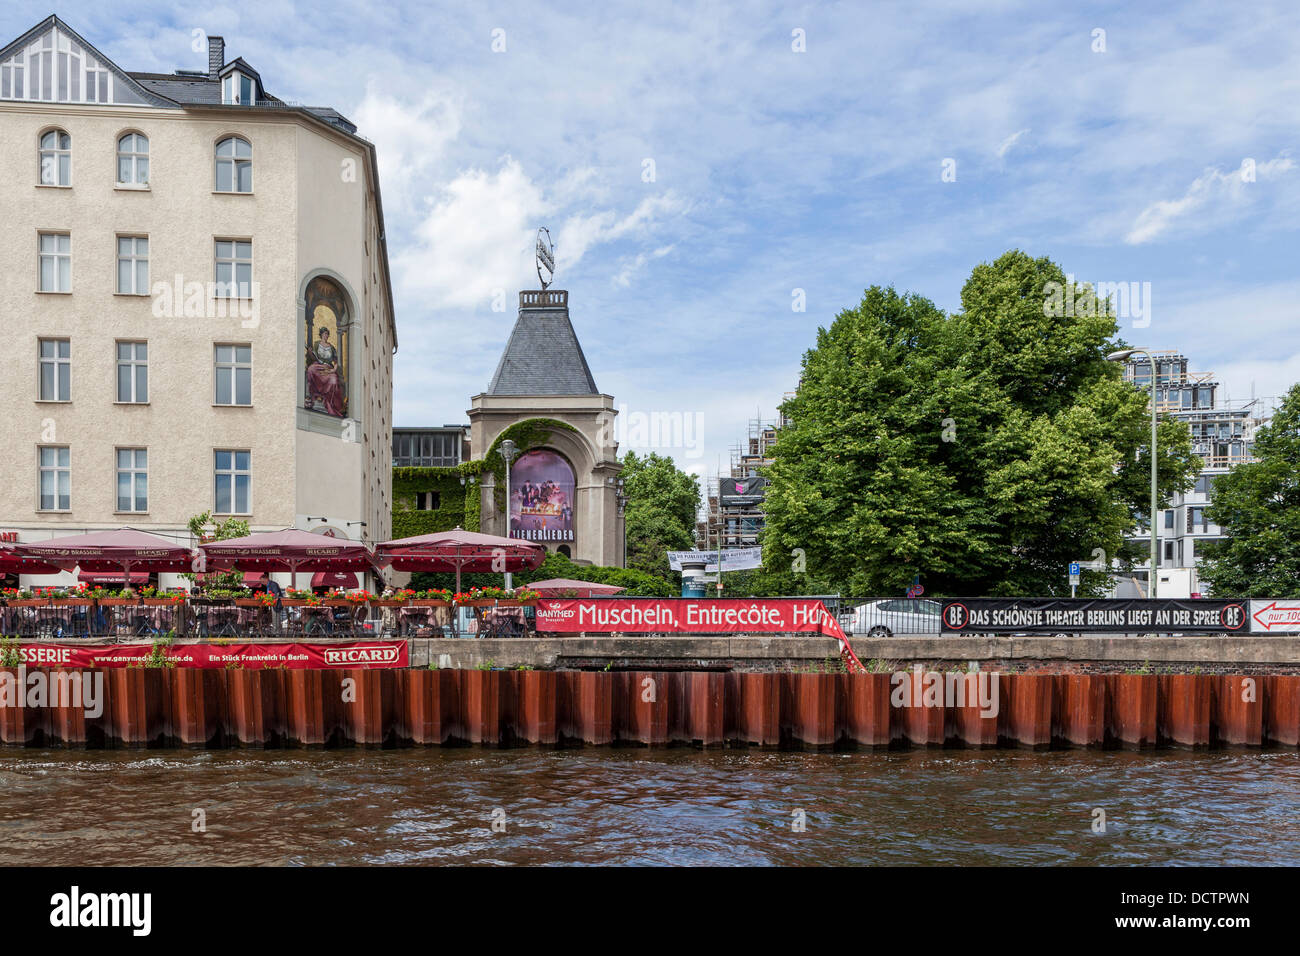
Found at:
(216, 56)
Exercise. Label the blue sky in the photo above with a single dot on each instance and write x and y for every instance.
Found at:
(777, 170)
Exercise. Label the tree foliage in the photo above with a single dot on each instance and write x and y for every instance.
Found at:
(982, 451)
(1257, 507)
(660, 515)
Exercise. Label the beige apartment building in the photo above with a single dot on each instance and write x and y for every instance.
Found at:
(200, 313)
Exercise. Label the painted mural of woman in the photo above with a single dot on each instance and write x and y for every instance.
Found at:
(323, 381)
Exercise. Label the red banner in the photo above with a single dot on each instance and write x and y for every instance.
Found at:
(687, 616)
(354, 654)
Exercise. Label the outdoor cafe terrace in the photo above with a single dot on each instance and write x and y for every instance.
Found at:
(101, 614)
(220, 609)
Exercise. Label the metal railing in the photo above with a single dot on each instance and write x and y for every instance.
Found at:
(223, 620)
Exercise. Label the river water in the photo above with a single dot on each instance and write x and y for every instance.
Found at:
(680, 806)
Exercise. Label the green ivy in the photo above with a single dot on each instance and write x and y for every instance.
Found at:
(461, 505)
(458, 505)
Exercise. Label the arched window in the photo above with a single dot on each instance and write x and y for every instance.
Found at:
(133, 160)
(234, 166)
(55, 166)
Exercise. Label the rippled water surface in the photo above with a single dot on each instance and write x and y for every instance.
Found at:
(599, 806)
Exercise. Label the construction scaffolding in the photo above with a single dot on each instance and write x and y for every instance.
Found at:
(733, 512)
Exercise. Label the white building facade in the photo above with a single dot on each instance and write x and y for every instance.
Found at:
(201, 315)
(1223, 434)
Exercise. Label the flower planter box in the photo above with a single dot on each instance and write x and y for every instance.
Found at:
(336, 602)
(250, 602)
(117, 602)
(429, 602)
(389, 603)
(299, 602)
(507, 603)
(29, 602)
(71, 602)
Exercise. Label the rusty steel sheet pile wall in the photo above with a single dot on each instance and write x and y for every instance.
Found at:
(274, 708)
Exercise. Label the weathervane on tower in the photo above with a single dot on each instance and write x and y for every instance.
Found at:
(545, 258)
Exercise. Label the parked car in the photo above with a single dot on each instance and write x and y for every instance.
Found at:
(890, 616)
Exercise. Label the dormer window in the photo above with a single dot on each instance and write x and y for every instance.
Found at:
(238, 89)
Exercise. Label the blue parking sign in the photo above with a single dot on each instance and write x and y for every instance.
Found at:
(1074, 569)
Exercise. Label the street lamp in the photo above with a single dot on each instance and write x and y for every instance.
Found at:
(620, 498)
(507, 451)
(1121, 356)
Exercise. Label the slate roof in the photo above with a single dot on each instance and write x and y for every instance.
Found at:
(543, 357)
(189, 89)
(180, 88)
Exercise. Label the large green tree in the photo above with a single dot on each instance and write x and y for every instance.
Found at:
(1257, 506)
(661, 507)
(982, 451)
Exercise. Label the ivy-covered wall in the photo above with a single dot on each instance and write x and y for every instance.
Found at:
(461, 505)
(458, 505)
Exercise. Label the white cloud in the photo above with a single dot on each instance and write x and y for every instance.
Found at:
(1010, 141)
(630, 269)
(475, 237)
(581, 232)
(1269, 378)
(411, 139)
(1211, 188)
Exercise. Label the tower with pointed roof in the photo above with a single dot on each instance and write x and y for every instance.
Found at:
(544, 398)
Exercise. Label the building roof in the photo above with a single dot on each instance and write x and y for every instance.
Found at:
(542, 356)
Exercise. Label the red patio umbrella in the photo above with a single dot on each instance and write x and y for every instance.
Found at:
(14, 561)
(347, 580)
(107, 551)
(460, 550)
(557, 587)
(289, 550)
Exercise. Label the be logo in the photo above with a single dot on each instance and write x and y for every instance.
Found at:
(955, 617)
(1232, 617)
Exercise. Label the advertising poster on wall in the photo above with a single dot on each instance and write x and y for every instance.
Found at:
(541, 497)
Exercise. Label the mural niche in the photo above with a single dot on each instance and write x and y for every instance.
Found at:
(326, 342)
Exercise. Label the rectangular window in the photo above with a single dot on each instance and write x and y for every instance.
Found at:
(234, 375)
(1169, 520)
(55, 262)
(133, 372)
(232, 482)
(234, 268)
(55, 478)
(55, 370)
(132, 265)
(132, 479)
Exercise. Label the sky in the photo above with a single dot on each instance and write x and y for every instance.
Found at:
(722, 179)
